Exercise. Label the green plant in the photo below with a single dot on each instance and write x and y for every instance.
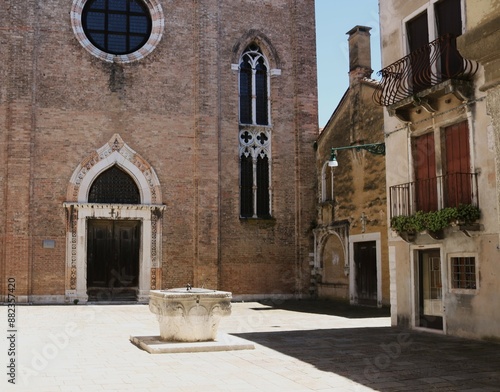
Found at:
(419, 221)
(468, 213)
(438, 220)
(435, 221)
(401, 223)
(409, 224)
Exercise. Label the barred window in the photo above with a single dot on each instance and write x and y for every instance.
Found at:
(114, 186)
(463, 270)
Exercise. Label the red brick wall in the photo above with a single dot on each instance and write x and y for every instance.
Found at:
(178, 109)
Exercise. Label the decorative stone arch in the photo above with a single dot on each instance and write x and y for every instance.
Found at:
(114, 152)
(339, 232)
(259, 38)
(149, 212)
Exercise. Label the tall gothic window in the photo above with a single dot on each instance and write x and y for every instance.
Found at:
(254, 97)
(255, 135)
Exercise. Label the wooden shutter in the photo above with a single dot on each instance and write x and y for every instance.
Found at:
(418, 41)
(424, 161)
(449, 22)
(457, 165)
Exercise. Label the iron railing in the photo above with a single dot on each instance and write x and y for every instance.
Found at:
(421, 69)
(433, 194)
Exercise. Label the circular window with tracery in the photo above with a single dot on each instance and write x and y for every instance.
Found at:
(118, 30)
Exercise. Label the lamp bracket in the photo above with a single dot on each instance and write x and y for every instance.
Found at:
(374, 148)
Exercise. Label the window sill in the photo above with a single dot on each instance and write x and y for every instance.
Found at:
(251, 220)
(464, 291)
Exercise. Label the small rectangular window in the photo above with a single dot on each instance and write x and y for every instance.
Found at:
(463, 273)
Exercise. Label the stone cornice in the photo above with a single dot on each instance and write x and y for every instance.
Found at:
(160, 207)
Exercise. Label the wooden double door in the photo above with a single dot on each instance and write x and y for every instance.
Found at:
(113, 259)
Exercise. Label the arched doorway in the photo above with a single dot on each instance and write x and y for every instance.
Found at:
(114, 215)
(113, 245)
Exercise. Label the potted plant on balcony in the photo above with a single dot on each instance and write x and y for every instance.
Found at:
(407, 227)
(467, 217)
(437, 221)
(434, 222)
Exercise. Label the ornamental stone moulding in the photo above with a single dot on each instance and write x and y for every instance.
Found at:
(114, 152)
(78, 211)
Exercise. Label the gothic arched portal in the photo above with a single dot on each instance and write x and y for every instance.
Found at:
(130, 214)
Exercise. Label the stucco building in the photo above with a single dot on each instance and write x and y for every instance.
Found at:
(350, 253)
(480, 43)
(441, 172)
(149, 144)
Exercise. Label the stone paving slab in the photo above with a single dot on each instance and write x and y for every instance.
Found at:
(299, 346)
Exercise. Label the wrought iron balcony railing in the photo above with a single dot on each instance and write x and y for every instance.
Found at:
(433, 194)
(421, 69)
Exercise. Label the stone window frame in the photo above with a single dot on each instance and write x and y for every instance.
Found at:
(255, 143)
(253, 52)
(254, 146)
(460, 290)
(157, 27)
(428, 7)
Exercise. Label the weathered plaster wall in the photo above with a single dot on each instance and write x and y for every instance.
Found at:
(470, 314)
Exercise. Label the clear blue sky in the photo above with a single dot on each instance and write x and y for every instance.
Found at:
(334, 18)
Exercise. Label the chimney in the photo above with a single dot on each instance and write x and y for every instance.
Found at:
(359, 54)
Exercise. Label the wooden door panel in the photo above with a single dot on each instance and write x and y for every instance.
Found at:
(99, 252)
(127, 249)
(430, 290)
(113, 254)
(365, 259)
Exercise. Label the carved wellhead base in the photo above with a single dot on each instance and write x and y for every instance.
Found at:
(190, 314)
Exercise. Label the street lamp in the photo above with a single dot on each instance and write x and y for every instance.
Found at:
(374, 148)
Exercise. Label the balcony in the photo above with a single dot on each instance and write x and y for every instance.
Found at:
(433, 194)
(416, 76)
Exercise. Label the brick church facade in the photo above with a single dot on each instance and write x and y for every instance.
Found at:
(148, 144)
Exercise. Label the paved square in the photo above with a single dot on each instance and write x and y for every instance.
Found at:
(299, 346)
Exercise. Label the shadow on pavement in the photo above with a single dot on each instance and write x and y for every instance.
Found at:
(332, 308)
(390, 359)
